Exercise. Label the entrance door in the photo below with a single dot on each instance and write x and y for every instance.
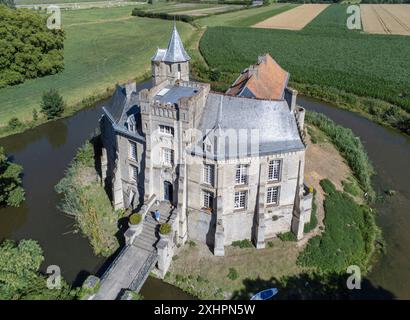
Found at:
(168, 191)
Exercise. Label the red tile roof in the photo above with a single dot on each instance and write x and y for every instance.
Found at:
(266, 80)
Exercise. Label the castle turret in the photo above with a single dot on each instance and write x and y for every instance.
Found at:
(172, 63)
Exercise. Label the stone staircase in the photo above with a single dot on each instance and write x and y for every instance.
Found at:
(132, 266)
(149, 236)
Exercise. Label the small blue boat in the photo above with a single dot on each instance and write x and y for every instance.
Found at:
(265, 294)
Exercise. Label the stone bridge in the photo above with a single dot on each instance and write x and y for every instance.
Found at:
(142, 253)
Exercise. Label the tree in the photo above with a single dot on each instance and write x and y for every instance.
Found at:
(9, 3)
(28, 48)
(19, 273)
(52, 104)
(14, 123)
(11, 191)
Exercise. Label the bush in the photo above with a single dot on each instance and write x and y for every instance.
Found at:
(246, 243)
(52, 104)
(313, 217)
(214, 74)
(11, 190)
(85, 155)
(165, 228)
(14, 123)
(348, 239)
(35, 115)
(192, 244)
(233, 274)
(350, 186)
(135, 218)
(162, 15)
(85, 198)
(287, 236)
(327, 186)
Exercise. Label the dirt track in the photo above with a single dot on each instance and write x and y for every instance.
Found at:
(294, 19)
(386, 18)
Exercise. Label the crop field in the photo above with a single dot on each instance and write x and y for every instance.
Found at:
(295, 19)
(246, 18)
(102, 47)
(20, 2)
(191, 9)
(386, 18)
(324, 53)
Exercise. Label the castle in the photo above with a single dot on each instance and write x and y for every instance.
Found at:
(230, 164)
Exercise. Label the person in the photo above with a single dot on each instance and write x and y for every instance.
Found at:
(157, 215)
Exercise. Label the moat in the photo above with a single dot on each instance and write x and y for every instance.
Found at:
(45, 152)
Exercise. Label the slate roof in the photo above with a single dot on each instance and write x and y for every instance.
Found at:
(275, 123)
(174, 93)
(264, 80)
(117, 103)
(175, 51)
(121, 106)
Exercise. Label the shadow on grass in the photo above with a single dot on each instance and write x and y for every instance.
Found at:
(312, 286)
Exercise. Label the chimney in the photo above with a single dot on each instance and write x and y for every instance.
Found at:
(293, 99)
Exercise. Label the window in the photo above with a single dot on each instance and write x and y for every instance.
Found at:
(166, 129)
(274, 170)
(240, 200)
(133, 150)
(179, 67)
(241, 176)
(272, 195)
(134, 172)
(208, 174)
(131, 123)
(168, 156)
(207, 199)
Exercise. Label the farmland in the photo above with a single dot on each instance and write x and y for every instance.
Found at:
(102, 47)
(324, 54)
(245, 18)
(386, 18)
(294, 19)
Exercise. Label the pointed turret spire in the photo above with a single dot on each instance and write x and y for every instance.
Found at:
(176, 51)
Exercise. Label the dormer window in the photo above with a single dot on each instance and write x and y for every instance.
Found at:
(131, 124)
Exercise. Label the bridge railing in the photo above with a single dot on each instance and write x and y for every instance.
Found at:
(146, 268)
(113, 264)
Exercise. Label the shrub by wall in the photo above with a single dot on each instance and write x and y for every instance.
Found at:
(84, 198)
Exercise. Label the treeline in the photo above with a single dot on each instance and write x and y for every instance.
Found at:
(28, 49)
(310, 1)
(171, 16)
(162, 15)
(243, 2)
(385, 1)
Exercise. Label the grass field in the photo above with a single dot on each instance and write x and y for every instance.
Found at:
(19, 2)
(103, 47)
(324, 53)
(245, 18)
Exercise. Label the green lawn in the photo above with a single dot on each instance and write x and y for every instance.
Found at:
(103, 47)
(326, 54)
(245, 18)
